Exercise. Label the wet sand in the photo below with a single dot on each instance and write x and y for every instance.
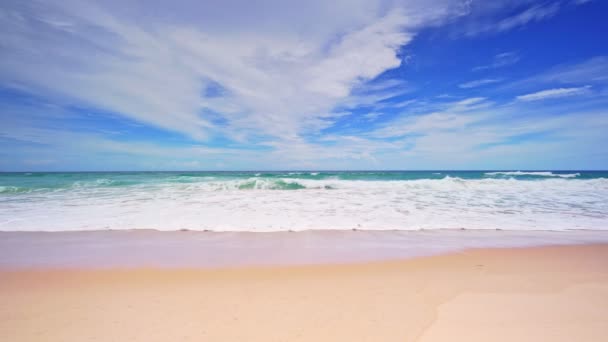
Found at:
(138, 248)
(555, 293)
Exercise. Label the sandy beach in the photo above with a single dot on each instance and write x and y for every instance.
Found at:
(522, 294)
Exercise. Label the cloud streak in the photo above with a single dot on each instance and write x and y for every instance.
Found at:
(554, 93)
(478, 83)
(500, 60)
(532, 14)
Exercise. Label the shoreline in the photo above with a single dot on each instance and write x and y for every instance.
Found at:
(557, 293)
(198, 249)
(185, 230)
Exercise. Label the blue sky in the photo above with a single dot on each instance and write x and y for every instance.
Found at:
(223, 85)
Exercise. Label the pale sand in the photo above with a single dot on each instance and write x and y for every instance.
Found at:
(534, 294)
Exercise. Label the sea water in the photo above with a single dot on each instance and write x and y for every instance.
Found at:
(305, 200)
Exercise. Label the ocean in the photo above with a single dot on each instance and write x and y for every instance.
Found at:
(262, 201)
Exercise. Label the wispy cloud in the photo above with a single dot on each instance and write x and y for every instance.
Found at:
(372, 116)
(532, 14)
(452, 115)
(478, 83)
(593, 71)
(554, 93)
(500, 60)
(485, 19)
(460, 134)
(467, 131)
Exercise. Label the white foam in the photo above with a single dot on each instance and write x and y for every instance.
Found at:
(533, 173)
(452, 203)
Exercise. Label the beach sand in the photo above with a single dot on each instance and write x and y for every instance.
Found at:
(521, 294)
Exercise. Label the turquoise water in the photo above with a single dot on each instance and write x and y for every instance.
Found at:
(11, 183)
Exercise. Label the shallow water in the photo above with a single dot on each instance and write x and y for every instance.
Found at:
(147, 248)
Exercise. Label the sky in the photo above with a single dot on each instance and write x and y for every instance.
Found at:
(107, 85)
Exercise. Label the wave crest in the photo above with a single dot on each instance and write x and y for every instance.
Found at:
(532, 173)
(13, 190)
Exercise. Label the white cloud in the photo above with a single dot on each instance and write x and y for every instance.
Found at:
(360, 55)
(281, 75)
(478, 83)
(554, 93)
